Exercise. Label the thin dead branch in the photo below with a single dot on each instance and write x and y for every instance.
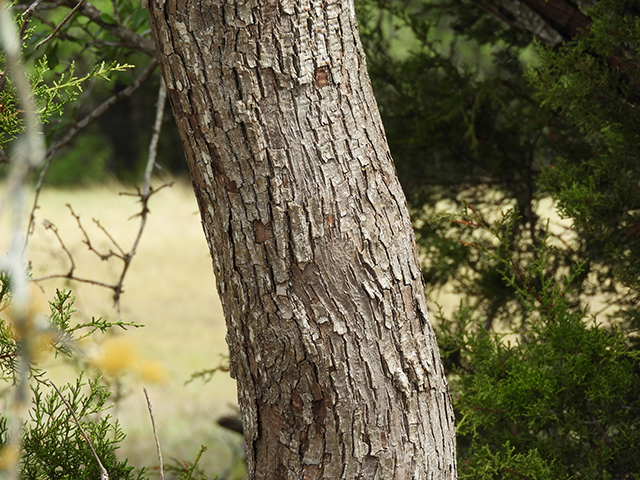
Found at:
(147, 190)
(155, 434)
(104, 230)
(87, 240)
(50, 226)
(143, 197)
(144, 211)
(104, 475)
(125, 257)
(157, 127)
(44, 21)
(60, 25)
(97, 283)
(26, 15)
(130, 39)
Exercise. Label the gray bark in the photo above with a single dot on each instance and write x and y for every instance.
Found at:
(338, 371)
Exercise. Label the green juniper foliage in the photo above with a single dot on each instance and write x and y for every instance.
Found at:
(595, 82)
(52, 445)
(556, 399)
(63, 73)
(464, 128)
(61, 312)
(51, 98)
(185, 471)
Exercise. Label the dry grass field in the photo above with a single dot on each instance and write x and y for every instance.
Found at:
(170, 289)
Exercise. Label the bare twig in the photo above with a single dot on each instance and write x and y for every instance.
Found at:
(61, 35)
(50, 226)
(104, 230)
(35, 206)
(147, 190)
(69, 275)
(157, 127)
(143, 196)
(104, 475)
(62, 23)
(144, 200)
(152, 191)
(26, 15)
(77, 279)
(155, 434)
(126, 257)
(87, 240)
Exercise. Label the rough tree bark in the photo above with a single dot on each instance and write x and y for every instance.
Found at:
(338, 371)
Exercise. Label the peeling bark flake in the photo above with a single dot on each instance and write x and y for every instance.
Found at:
(321, 77)
(260, 231)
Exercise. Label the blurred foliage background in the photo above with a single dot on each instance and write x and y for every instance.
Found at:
(514, 127)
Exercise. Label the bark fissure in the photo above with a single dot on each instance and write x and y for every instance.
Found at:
(337, 368)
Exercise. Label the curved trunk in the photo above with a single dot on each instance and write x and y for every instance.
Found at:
(338, 371)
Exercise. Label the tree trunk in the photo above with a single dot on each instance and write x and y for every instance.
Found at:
(339, 375)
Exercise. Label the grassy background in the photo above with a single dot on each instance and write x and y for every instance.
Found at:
(170, 289)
